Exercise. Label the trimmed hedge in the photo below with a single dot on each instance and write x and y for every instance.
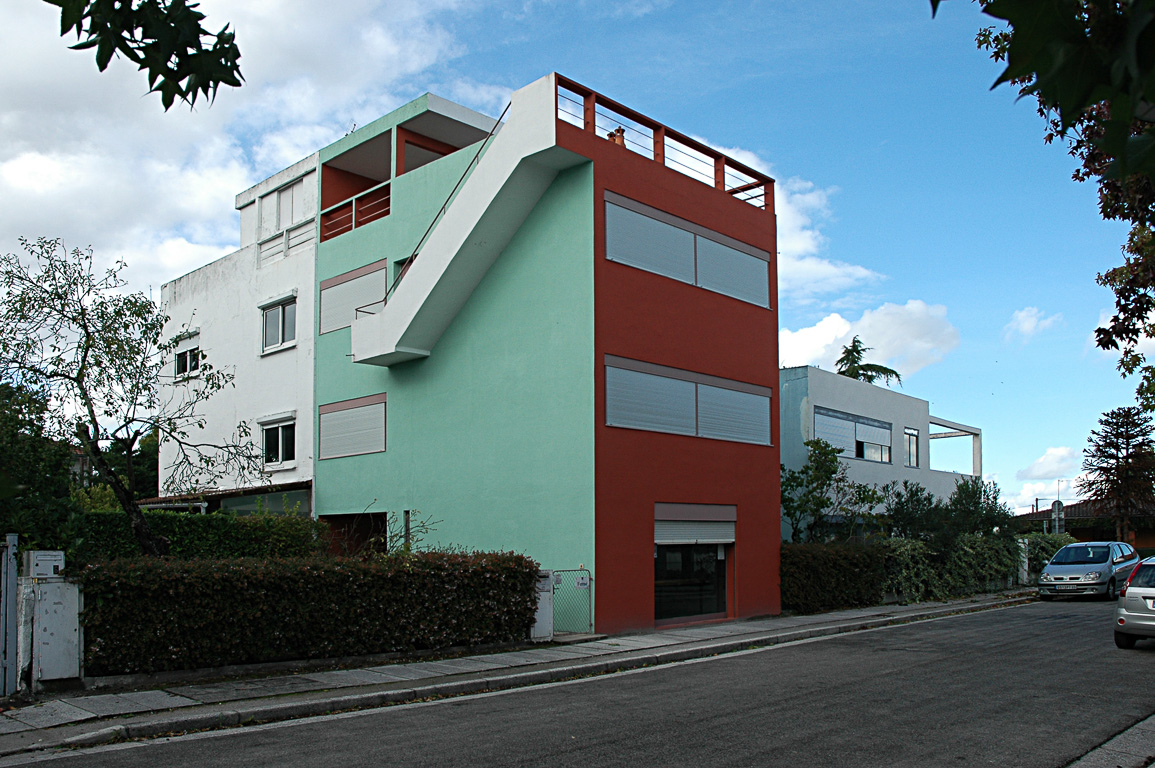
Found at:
(151, 615)
(215, 535)
(820, 577)
(1041, 547)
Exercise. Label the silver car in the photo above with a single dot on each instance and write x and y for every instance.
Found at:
(1135, 611)
(1088, 568)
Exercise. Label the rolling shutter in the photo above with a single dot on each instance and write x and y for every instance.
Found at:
(733, 273)
(694, 532)
(352, 431)
(648, 244)
(339, 302)
(726, 414)
(645, 401)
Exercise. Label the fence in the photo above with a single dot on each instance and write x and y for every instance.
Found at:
(573, 601)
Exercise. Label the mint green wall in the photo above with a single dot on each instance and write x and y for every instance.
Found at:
(493, 434)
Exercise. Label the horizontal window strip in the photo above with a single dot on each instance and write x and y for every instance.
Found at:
(650, 399)
(680, 373)
(818, 409)
(689, 226)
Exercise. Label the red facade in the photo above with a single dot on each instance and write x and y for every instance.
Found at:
(651, 318)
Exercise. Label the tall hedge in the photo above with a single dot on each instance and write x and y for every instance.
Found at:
(150, 615)
(216, 535)
(820, 577)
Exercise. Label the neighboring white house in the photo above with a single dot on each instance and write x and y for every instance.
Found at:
(885, 436)
(251, 313)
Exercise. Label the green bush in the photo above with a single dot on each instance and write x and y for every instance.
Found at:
(150, 615)
(980, 564)
(818, 577)
(1041, 547)
(107, 535)
(912, 571)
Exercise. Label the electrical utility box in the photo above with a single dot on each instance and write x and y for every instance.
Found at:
(43, 563)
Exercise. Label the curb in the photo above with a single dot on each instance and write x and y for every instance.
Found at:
(271, 712)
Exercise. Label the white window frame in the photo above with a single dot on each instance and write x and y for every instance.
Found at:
(278, 422)
(908, 433)
(190, 360)
(278, 306)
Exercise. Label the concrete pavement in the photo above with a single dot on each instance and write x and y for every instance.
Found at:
(84, 719)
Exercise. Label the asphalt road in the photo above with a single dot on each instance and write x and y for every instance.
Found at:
(1037, 685)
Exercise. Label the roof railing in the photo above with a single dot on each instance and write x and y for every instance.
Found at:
(590, 111)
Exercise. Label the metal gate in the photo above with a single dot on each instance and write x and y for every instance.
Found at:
(8, 621)
(573, 601)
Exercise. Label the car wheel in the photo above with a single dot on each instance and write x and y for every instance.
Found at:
(1124, 641)
(1111, 590)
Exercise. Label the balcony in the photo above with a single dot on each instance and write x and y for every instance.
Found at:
(603, 117)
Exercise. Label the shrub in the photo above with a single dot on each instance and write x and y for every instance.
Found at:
(980, 563)
(1041, 547)
(818, 577)
(106, 535)
(912, 570)
(150, 615)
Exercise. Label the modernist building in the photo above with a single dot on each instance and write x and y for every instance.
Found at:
(884, 436)
(251, 314)
(554, 335)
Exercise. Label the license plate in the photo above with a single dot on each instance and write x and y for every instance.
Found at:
(1068, 587)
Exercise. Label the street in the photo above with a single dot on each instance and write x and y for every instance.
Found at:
(1036, 685)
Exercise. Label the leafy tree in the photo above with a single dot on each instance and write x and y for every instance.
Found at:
(1091, 68)
(1119, 463)
(145, 464)
(850, 365)
(973, 508)
(819, 495)
(40, 470)
(164, 38)
(96, 355)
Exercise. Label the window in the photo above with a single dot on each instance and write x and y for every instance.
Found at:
(188, 361)
(279, 326)
(911, 446)
(649, 239)
(854, 436)
(660, 399)
(352, 427)
(280, 442)
(341, 296)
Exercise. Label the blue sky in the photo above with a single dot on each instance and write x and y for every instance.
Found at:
(917, 208)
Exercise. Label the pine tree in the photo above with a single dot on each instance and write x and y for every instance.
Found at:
(1119, 463)
(850, 365)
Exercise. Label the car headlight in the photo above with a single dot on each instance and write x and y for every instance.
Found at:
(1045, 576)
(1093, 576)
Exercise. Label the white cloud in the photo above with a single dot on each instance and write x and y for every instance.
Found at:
(1054, 463)
(1027, 322)
(91, 157)
(907, 337)
(1045, 491)
(801, 207)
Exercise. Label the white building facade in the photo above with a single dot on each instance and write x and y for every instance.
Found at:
(250, 313)
(884, 436)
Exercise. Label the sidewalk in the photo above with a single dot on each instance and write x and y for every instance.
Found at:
(82, 719)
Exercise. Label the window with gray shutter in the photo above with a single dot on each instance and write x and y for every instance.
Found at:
(649, 244)
(645, 401)
(352, 431)
(835, 430)
(731, 272)
(870, 433)
(726, 414)
(339, 302)
(694, 532)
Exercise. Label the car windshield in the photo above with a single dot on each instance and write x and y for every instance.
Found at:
(1081, 554)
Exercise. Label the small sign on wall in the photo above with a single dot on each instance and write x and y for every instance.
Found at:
(582, 581)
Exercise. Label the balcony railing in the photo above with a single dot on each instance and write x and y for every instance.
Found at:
(368, 206)
(590, 111)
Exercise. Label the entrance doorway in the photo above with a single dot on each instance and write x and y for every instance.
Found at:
(689, 581)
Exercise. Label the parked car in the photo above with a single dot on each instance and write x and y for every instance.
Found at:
(1088, 568)
(1135, 611)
